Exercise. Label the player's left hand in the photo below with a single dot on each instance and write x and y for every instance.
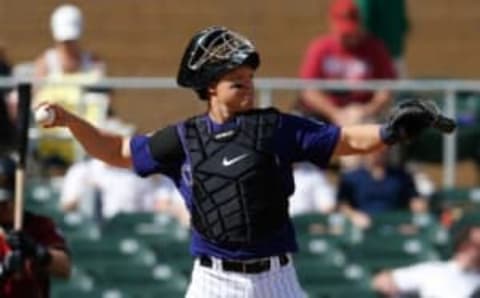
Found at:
(410, 118)
(19, 240)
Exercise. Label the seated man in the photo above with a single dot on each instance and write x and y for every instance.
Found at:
(376, 187)
(458, 277)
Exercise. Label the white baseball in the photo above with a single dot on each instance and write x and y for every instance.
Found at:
(44, 115)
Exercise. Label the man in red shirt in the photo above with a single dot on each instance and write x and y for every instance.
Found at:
(29, 257)
(346, 53)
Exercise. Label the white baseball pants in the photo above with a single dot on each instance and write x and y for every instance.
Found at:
(214, 282)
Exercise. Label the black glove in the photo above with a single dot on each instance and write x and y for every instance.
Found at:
(13, 262)
(18, 240)
(410, 118)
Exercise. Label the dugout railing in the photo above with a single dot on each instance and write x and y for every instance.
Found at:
(448, 89)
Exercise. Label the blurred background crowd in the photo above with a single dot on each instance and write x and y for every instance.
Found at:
(356, 220)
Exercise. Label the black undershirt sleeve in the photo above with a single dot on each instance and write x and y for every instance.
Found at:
(166, 149)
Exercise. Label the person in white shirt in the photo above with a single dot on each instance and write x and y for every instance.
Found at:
(313, 192)
(120, 190)
(168, 200)
(458, 277)
(67, 56)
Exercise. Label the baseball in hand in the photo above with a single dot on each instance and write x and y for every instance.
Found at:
(44, 115)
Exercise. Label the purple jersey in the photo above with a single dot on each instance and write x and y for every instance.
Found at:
(295, 139)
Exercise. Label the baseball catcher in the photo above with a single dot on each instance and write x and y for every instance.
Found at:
(233, 165)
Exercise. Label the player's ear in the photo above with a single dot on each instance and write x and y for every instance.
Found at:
(212, 89)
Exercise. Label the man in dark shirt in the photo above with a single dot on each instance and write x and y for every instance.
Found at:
(376, 187)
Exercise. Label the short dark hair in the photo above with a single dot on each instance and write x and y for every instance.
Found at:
(462, 236)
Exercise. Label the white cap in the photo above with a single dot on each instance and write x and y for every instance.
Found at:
(66, 23)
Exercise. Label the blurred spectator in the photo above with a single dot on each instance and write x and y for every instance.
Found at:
(67, 56)
(28, 258)
(96, 188)
(118, 188)
(458, 277)
(313, 193)
(377, 187)
(69, 63)
(346, 53)
(388, 21)
(168, 200)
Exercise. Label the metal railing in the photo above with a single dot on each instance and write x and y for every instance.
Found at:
(266, 87)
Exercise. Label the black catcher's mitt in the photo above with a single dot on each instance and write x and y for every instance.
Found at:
(410, 118)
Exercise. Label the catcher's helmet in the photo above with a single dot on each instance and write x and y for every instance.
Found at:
(210, 54)
(7, 178)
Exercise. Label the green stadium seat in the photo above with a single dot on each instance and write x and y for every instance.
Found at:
(405, 224)
(94, 293)
(77, 225)
(155, 291)
(314, 273)
(429, 146)
(333, 226)
(342, 292)
(320, 249)
(139, 281)
(173, 252)
(41, 197)
(145, 225)
(467, 199)
(92, 254)
(377, 253)
(79, 282)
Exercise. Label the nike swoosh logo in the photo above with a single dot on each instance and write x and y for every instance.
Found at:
(228, 162)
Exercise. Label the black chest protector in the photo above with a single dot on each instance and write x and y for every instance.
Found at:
(239, 197)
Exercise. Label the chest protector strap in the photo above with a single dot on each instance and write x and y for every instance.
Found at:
(239, 197)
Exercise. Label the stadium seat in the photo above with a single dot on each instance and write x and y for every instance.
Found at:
(404, 224)
(377, 253)
(341, 292)
(77, 225)
(173, 252)
(41, 197)
(321, 250)
(148, 226)
(321, 280)
(94, 254)
(79, 282)
(332, 226)
(467, 199)
(138, 281)
(429, 146)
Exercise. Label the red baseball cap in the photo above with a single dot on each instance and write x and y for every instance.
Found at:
(344, 16)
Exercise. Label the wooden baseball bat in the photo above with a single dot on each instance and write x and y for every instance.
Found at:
(24, 100)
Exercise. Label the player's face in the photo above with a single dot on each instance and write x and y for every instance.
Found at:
(235, 90)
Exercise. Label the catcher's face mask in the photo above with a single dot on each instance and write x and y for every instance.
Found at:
(220, 45)
(212, 53)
